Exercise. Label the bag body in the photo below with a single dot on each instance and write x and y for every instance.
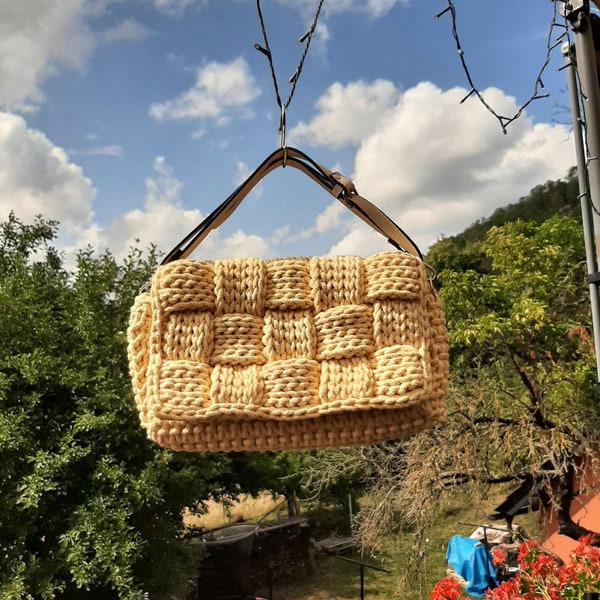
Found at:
(294, 353)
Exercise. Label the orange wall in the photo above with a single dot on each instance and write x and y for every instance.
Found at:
(585, 510)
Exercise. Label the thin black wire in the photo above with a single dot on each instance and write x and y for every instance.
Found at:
(266, 50)
(505, 121)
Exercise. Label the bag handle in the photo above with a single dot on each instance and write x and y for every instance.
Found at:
(336, 184)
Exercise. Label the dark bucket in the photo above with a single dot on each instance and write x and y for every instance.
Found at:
(229, 544)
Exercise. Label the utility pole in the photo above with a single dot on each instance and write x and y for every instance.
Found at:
(577, 12)
(580, 61)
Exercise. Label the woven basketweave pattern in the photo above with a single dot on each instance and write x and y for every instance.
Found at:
(296, 353)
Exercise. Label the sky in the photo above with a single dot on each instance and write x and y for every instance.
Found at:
(129, 121)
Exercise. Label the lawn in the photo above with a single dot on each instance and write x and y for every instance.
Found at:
(335, 579)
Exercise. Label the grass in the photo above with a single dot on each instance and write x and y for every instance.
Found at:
(335, 579)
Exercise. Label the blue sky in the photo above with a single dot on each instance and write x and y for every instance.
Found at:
(133, 119)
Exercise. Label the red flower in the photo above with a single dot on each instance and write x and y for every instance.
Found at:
(528, 551)
(446, 589)
(507, 590)
(540, 577)
(498, 556)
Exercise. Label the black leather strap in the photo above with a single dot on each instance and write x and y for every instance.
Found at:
(336, 184)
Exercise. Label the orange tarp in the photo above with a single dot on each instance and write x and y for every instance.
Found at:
(588, 517)
(585, 510)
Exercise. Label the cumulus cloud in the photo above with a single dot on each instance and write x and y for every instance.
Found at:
(37, 37)
(363, 105)
(242, 172)
(128, 30)
(164, 221)
(435, 165)
(219, 89)
(37, 177)
(113, 150)
(373, 8)
(176, 8)
(330, 218)
(196, 135)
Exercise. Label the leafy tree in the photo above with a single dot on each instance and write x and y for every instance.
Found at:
(522, 401)
(465, 250)
(89, 508)
(522, 398)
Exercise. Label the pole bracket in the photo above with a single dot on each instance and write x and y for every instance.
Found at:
(593, 277)
(569, 7)
(575, 12)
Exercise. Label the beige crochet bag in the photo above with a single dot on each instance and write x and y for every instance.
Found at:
(294, 353)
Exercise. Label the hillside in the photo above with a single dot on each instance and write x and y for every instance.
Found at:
(463, 251)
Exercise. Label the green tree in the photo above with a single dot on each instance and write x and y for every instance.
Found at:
(89, 508)
(465, 250)
(522, 400)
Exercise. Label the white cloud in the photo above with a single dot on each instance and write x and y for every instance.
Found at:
(330, 218)
(37, 37)
(347, 114)
(170, 8)
(163, 221)
(125, 31)
(378, 8)
(281, 234)
(435, 165)
(196, 135)
(37, 177)
(236, 245)
(114, 150)
(320, 40)
(176, 8)
(373, 8)
(219, 89)
(242, 172)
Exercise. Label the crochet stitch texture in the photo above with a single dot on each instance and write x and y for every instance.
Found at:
(294, 353)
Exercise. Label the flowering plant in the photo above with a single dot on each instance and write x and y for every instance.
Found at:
(539, 576)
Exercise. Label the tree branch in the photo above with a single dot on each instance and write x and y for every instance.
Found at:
(564, 497)
(457, 479)
(485, 420)
(536, 398)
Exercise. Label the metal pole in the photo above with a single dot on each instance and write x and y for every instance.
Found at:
(578, 13)
(362, 571)
(568, 52)
(362, 582)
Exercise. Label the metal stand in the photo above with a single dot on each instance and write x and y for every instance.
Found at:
(362, 572)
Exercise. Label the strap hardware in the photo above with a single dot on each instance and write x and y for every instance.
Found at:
(348, 186)
(336, 184)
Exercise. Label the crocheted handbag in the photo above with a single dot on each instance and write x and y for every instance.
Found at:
(293, 353)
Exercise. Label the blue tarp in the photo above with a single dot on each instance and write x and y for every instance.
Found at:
(471, 560)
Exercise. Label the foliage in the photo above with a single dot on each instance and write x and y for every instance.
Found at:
(88, 506)
(526, 324)
(522, 400)
(464, 250)
(522, 396)
(540, 576)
